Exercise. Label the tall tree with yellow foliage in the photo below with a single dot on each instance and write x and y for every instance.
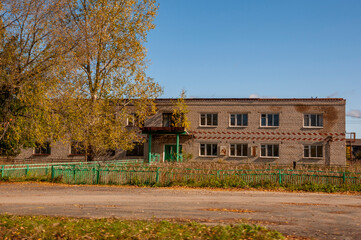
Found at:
(73, 69)
(105, 72)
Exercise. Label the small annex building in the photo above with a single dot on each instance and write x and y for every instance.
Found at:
(247, 130)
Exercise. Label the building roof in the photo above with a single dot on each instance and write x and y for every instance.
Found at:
(258, 99)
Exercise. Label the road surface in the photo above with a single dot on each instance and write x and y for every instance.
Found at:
(316, 215)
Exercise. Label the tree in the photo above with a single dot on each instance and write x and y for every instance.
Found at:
(104, 79)
(29, 51)
(71, 70)
(180, 111)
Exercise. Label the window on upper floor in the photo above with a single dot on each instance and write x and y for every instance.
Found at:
(167, 120)
(269, 150)
(208, 149)
(313, 120)
(313, 151)
(270, 119)
(238, 120)
(209, 119)
(238, 150)
(42, 149)
(133, 120)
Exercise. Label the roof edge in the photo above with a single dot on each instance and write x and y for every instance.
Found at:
(254, 99)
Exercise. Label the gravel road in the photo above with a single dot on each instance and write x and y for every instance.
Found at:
(315, 215)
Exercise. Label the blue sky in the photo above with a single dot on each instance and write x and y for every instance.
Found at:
(239, 48)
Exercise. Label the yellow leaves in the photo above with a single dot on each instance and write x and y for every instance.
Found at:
(180, 111)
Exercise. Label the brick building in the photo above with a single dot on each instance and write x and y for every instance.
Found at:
(249, 130)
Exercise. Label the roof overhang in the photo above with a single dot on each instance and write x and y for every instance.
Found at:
(164, 130)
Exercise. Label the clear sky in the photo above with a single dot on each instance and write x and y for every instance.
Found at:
(263, 48)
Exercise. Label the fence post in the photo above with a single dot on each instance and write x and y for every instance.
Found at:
(74, 174)
(280, 177)
(52, 172)
(157, 175)
(344, 177)
(98, 175)
(218, 174)
(26, 170)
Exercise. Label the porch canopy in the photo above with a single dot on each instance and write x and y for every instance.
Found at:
(162, 131)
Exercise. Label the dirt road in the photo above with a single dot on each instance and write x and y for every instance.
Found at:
(321, 216)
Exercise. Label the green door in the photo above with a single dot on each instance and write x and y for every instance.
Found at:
(170, 152)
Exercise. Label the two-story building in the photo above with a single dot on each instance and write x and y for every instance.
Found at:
(248, 130)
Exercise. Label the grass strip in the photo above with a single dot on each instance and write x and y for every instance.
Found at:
(42, 227)
(225, 183)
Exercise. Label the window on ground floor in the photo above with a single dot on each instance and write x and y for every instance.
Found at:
(138, 150)
(269, 150)
(77, 148)
(42, 149)
(313, 151)
(208, 149)
(238, 150)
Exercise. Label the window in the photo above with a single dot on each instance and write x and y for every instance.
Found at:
(313, 151)
(208, 149)
(138, 150)
(269, 150)
(313, 120)
(238, 120)
(77, 148)
(167, 119)
(270, 120)
(209, 119)
(42, 149)
(238, 150)
(133, 120)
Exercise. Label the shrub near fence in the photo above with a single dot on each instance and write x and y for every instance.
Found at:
(148, 175)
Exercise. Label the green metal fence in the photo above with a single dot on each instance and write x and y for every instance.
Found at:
(164, 175)
(133, 171)
(44, 169)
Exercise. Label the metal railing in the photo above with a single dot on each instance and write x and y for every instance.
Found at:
(164, 175)
(132, 171)
(44, 169)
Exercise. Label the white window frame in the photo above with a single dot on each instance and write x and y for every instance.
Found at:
(206, 123)
(235, 120)
(235, 149)
(309, 147)
(205, 150)
(266, 150)
(267, 123)
(309, 115)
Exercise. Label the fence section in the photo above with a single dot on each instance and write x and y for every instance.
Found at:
(165, 175)
(44, 169)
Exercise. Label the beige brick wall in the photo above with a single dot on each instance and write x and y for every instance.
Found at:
(291, 135)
